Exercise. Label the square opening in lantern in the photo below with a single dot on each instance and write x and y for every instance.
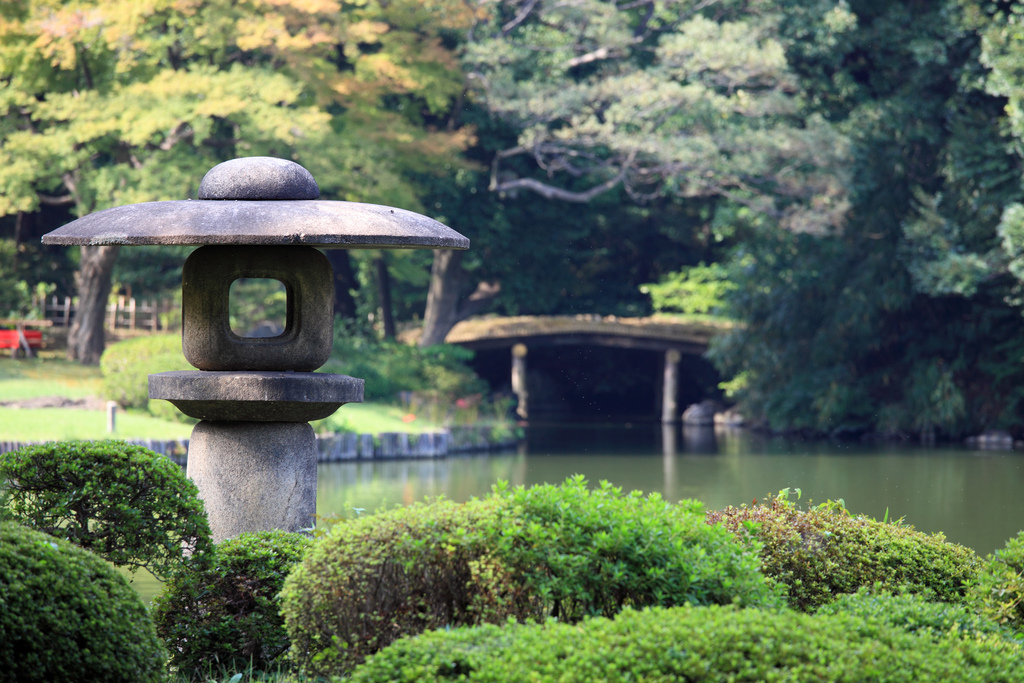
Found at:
(213, 340)
(258, 307)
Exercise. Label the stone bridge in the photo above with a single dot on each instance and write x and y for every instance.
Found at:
(671, 336)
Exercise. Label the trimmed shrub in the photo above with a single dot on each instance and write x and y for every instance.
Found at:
(914, 614)
(694, 644)
(593, 552)
(126, 367)
(562, 551)
(375, 579)
(224, 612)
(998, 593)
(133, 507)
(824, 552)
(65, 615)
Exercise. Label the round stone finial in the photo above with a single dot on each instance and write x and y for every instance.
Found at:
(258, 178)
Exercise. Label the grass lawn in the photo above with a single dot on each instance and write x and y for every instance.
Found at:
(61, 424)
(35, 377)
(373, 418)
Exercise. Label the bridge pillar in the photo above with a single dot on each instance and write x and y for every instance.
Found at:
(519, 380)
(669, 387)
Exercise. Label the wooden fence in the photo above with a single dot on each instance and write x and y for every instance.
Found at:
(123, 313)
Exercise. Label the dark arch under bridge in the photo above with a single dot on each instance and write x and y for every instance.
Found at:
(673, 338)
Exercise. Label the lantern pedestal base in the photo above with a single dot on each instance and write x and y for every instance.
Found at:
(254, 476)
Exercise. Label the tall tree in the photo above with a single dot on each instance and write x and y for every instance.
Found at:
(909, 321)
(650, 99)
(113, 102)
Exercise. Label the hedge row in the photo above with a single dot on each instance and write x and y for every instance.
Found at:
(695, 644)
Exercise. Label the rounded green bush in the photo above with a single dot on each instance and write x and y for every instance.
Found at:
(998, 593)
(377, 578)
(126, 367)
(65, 615)
(224, 611)
(825, 551)
(705, 644)
(133, 507)
(593, 552)
(561, 551)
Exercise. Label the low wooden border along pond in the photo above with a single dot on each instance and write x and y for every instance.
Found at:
(345, 447)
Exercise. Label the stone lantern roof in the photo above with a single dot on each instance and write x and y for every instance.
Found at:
(259, 201)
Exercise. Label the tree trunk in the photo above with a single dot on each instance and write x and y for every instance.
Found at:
(442, 297)
(85, 340)
(345, 282)
(384, 296)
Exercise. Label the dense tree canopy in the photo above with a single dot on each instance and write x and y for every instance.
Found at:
(841, 177)
(909, 321)
(650, 101)
(108, 103)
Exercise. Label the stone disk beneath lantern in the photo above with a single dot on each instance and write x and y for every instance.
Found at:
(256, 396)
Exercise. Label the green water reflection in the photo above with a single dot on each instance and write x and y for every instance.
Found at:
(973, 497)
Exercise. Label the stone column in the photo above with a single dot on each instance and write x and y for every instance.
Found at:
(254, 475)
(519, 379)
(669, 445)
(669, 387)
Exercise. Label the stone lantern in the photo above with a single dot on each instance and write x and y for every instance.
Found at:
(253, 455)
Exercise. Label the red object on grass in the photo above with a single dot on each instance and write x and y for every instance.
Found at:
(9, 339)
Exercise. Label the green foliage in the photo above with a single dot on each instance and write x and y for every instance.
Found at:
(913, 613)
(694, 644)
(700, 289)
(671, 103)
(932, 400)
(998, 592)
(823, 552)
(133, 507)
(1011, 233)
(524, 554)
(909, 320)
(594, 552)
(127, 101)
(127, 365)
(389, 368)
(375, 579)
(16, 295)
(937, 260)
(256, 301)
(113, 102)
(65, 615)
(223, 611)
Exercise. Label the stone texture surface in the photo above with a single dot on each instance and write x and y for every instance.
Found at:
(256, 396)
(702, 413)
(254, 476)
(315, 223)
(207, 340)
(259, 178)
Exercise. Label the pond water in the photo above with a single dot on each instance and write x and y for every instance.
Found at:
(976, 498)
